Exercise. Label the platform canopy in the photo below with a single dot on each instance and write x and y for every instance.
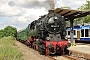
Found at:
(71, 14)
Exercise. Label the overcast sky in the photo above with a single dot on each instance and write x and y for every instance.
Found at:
(19, 13)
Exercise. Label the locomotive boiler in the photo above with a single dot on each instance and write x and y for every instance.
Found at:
(47, 34)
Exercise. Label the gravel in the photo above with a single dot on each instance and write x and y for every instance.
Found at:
(31, 54)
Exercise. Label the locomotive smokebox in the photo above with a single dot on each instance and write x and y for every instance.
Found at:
(51, 11)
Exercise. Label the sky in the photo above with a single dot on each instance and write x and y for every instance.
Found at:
(20, 13)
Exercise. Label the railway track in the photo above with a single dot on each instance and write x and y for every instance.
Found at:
(73, 55)
(69, 57)
(51, 57)
(23, 42)
(65, 57)
(77, 54)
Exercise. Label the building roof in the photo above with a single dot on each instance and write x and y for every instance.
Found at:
(79, 27)
(69, 14)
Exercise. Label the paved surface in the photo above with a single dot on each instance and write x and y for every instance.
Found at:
(60, 58)
(85, 48)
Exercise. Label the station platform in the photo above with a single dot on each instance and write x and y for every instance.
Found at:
(81, 49)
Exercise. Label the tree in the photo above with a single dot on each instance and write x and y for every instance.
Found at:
(10, 31)
(1, 33)
(85, 19)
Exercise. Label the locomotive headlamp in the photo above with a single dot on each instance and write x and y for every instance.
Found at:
(48, 38)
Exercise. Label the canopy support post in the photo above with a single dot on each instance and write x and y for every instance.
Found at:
(71, 33)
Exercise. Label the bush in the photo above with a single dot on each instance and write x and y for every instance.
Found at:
(8, 51)
(8, 31)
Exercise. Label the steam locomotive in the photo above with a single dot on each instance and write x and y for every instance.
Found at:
(47, 34)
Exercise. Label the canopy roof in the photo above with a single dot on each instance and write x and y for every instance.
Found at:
(71, 14)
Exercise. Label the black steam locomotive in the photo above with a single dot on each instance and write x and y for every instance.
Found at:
(47, 34)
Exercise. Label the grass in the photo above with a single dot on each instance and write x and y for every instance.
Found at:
(8, 51)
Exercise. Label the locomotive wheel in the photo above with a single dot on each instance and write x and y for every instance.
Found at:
(41, 52)
(60, 53)
(66, 51)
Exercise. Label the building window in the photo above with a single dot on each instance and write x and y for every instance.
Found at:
(68, 32)
(82, 33)
(86, 33)
(74, 32)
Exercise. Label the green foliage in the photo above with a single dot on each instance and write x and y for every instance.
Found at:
(85, 19)
(85, 6)
(67, 23)
(1, 33)
(8, 31)
(82, 20)
(8, 51)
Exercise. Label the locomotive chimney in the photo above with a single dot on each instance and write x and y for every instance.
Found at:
(51, 11)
